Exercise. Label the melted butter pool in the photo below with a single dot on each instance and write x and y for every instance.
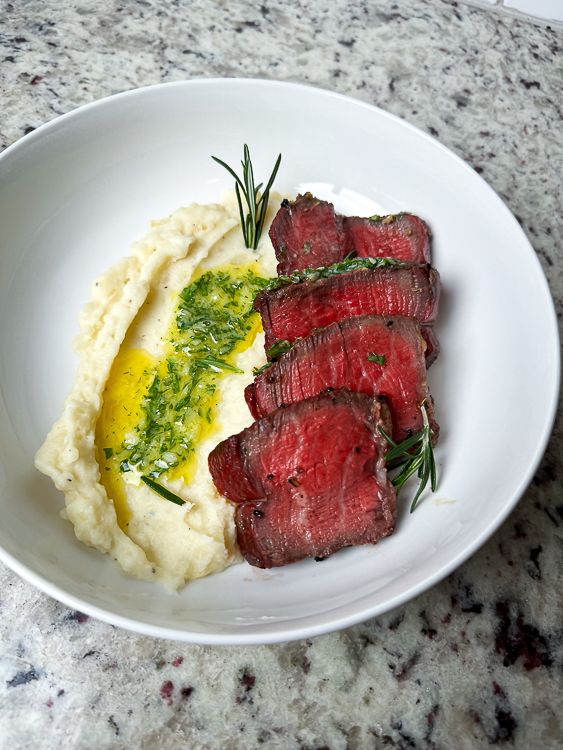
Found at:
(156, 413)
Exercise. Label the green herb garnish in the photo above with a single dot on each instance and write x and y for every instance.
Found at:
(389, 219)
(253, 223)
(214, 314)
(377, 359)
(162, 491)
(275, 352)
(259, 370)
(325, 272)
(281, 347)
(421, 461)
(217, 364)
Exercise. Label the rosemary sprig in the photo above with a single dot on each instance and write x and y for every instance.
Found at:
(421, 461)
(253, 223)
(162, 491)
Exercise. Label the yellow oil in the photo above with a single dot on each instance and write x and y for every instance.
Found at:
(126, 390)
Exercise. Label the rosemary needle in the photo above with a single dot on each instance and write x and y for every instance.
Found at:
(253, 223)
(420, 461)
(162, 491)
(217, 364)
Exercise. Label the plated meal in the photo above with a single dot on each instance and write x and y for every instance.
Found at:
(223, 412)
(140, 155)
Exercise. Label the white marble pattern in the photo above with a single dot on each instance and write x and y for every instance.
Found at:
(476, 661)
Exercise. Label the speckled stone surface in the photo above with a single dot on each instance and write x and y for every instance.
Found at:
(476, 661)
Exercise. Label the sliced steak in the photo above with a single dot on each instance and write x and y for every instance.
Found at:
(402, 236)
(338, 356)
(292, 311)
(308, 479)
(432, 344)
(307, 232)
(250, 398)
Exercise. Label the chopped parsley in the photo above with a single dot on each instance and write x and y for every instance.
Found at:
(390, 219)
(325, 272)
(281, 347)
(380, 360)
(213, 320)
(274, 353)
(259, 370)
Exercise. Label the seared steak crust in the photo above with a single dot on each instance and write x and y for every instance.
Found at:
(307, 232)
(308, 479)
(338, 356)
(432, 344)
(293, 311)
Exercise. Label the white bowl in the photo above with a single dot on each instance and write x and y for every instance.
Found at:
(74, 195)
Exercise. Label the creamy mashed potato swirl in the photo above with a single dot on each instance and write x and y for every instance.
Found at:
(131, 309)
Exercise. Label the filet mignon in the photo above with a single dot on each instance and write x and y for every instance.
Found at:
(292, 311)
(307, 232)
(401, 236)
(308, 479)
(339, 355)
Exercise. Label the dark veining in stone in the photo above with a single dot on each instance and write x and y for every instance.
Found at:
(166, 690)
(113, 725)
(77, 617)
(517, 639)
(22, 678)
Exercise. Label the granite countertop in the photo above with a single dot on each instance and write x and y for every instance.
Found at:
(477, 660)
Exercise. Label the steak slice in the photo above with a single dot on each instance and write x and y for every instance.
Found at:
(292, 311)
(338, 356)
(432, 345)
(308, 479)
(402, 236)
(307, 232)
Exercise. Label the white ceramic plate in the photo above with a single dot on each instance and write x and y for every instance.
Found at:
(74, 195)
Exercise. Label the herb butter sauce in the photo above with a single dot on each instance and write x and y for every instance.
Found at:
(155, 413)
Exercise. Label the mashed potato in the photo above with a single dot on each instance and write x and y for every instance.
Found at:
(124, 343)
